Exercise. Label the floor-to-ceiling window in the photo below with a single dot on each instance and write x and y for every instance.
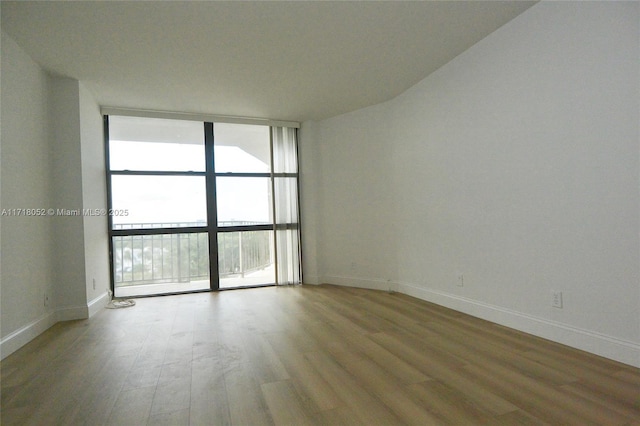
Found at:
(198, 205)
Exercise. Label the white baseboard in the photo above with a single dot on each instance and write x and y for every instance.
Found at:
(69, 313)
(98, 303)
(596, 343)
(370, 283)
(24, 335)
(310, 279)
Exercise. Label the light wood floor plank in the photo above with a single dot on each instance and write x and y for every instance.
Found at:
(367, 408)
(284, 404)
(448, 405)
(321, 355)
(132, 407)
(316, 393)
(386, 388)
(247, 405)
(209, 403)
(171, 419)
(449, 375)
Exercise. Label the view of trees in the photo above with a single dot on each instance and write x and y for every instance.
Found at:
(153, 259)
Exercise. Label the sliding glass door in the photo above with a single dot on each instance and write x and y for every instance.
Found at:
(244, 200)
(200, 206)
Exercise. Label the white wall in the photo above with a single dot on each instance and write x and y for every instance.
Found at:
(26, 251)
(68, 235)
(94, 197)
(81, 242)
(52, 158)
(517, 165)
(357, 200)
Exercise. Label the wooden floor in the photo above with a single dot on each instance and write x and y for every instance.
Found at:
(303, 356)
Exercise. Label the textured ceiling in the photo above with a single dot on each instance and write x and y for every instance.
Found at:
(295, 61)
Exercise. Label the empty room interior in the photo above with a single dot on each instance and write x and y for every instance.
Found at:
(316, 212)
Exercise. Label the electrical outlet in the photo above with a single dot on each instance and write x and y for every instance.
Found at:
(94, 283)
(460, 280)
(556, 301)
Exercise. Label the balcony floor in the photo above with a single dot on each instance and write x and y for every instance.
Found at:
(263, 276)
